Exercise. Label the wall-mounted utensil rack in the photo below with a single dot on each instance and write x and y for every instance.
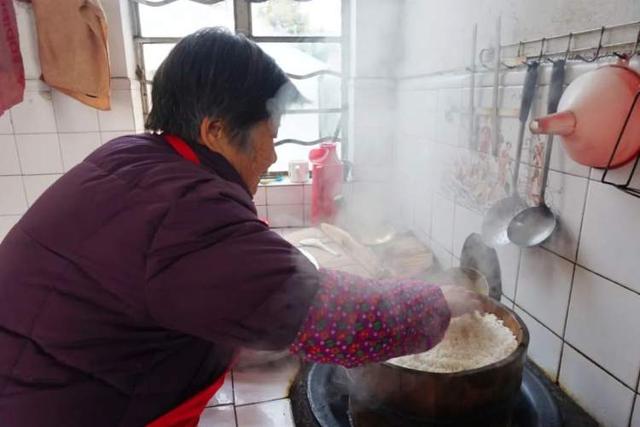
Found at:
(613, 41)
(604, 44)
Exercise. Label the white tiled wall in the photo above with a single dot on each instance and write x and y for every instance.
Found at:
(284, 205)
(579, 293)
(48, 133)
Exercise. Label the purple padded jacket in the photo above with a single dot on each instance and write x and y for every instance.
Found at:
(127, 286)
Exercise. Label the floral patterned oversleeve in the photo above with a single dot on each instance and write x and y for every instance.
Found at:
(354, 320)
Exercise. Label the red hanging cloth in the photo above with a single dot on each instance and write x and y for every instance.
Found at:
(11, 68)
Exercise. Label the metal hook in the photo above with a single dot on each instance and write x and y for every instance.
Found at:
(566, 53)
(541, 49)
(520, 47)
(597, 54)
(635, 47)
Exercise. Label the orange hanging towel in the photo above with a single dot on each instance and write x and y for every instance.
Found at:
(11, 69)
(72, 44)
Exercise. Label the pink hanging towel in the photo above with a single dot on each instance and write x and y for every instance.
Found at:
(11, 69)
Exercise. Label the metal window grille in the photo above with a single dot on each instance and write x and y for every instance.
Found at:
(243, 25)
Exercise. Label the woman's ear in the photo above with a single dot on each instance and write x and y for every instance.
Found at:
(213, 134)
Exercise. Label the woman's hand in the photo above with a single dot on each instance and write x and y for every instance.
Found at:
(461, 301)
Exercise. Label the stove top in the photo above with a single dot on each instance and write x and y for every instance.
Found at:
(319, 399)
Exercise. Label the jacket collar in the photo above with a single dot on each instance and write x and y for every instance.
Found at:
(218, 164)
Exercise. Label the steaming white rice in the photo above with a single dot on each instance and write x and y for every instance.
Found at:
(472, 341)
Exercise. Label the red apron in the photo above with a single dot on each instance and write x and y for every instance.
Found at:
(187, 414)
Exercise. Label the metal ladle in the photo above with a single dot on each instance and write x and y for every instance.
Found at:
(499, 216)
(534, 225)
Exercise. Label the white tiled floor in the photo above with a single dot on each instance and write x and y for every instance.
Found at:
(220, 416)
(224, 396)
(264, 383)
(261, 397)
(268, 414)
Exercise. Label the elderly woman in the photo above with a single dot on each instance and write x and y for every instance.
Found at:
(128, 287)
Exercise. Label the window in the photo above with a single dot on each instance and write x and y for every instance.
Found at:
(304, 37)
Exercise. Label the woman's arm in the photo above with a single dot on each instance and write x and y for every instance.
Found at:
(353, 320)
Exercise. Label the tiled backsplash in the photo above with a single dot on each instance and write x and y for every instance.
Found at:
(580, 292)
(49, 133)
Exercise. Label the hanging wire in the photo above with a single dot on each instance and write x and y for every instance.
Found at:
(566, 53)
(518, 54)
(596, 56)
(541, 50)
(635, 47)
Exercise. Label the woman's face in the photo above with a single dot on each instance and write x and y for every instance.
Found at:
(261, 154)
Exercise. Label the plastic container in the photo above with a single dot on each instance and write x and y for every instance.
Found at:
(327, 172)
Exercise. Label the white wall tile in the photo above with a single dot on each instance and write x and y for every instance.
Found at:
(284, 195)
(543, 288)
(34, 114)
(565, 196)
(265, 382)
(39, 154)
(544, 346)
(442, 226)
(466, 222)
(138, 114)
(268, 414)
(219, 416)
(596, 391)
(286, 215)
(307, 215)
(77, 146)
(260, 198)
(609, 244)
(619, 175)
(561, 162)
(444, 257)
(448, 119)
(120, 117)
(5, 123)
(636, 414)
(9, 163)
(423, 209)
(12, 198)
(603, 317)
(28, 40)
(509, 257)
(306, 190)
(108, 136)
(6, 223)
(506, 301)
(35, 185)
(73, 115)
